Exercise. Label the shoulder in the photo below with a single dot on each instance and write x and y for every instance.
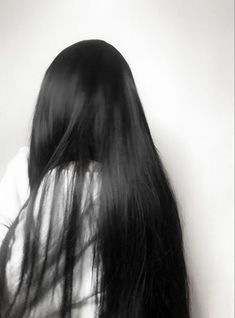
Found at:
(23, 151)
(17, 167)
(14, 189)
(16, 172)
(21, 157)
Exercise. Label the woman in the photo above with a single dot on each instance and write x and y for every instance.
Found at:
(100, 234)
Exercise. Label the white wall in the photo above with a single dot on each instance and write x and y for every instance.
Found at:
(181, 54)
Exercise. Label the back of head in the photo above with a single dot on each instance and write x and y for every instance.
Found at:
(88, 110)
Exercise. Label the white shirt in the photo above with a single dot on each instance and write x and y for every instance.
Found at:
(14, 191)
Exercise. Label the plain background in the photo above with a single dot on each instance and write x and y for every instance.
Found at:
(181, 55)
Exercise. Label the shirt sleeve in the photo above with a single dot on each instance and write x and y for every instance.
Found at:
(14, 190)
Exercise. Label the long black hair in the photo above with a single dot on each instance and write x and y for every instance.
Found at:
(89, 117)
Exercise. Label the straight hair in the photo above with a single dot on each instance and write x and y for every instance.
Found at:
(89, 111)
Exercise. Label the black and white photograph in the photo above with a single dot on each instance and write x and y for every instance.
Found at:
(116, 159)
